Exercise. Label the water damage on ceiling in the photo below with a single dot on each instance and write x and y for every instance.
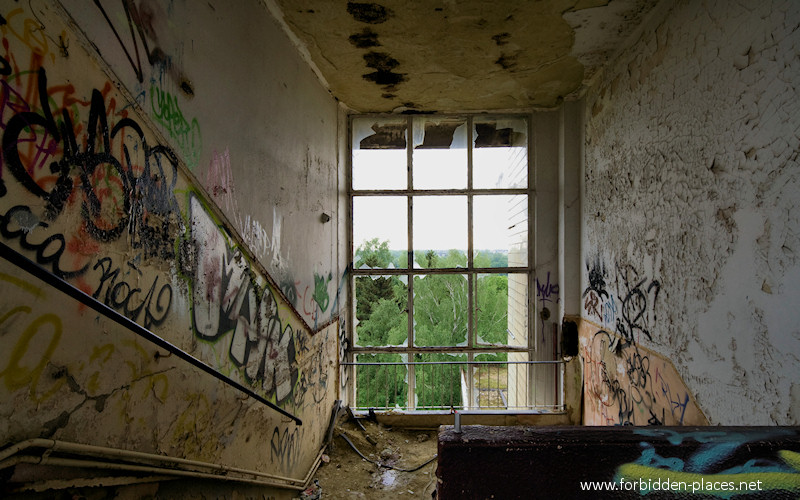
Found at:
(466, 55)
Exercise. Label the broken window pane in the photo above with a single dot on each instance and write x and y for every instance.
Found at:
(381, 310)
(500, 157)
(440, 153)
(492, 308)
(440, 384)
(379, 154)
(383, 384)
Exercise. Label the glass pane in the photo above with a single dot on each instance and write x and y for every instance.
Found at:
(440, 310)
(440, 153)
(383, 384)
(379, 154)
(500, 235)
(518, 309)
(492, 311)
(381, 310)
(500, 157)
(380, 231)
(440, 231)
(441, 383)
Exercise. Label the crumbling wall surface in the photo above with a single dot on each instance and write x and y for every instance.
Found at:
(691, 210)
(98, 188)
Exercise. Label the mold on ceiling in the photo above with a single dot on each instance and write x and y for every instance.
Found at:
(460, 55)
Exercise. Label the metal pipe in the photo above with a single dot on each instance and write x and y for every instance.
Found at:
(25, 264)
(10, 457)
(73, 462)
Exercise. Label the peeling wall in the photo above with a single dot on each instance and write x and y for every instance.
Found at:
(691, 220)
(175, 169)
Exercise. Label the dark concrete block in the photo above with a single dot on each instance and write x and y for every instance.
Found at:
(618, 462)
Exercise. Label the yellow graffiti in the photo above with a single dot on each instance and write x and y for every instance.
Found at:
(151, 387)
(792, 458)
(191, 428)
(32, 33)
(18, 375)
(716, 485)
(106, 351)
(14, 311)
(37, 292)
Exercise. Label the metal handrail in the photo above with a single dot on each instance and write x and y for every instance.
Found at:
(25, 264)
(441, 394)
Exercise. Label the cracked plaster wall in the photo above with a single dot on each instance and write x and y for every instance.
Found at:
(692, 170)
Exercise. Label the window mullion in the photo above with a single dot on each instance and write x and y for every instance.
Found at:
(411, 400)
(471, 333)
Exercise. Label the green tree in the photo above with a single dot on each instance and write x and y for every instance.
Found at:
(441, 318)
(374, 254)
(370, 290)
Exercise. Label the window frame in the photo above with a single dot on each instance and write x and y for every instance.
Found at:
(473, 347)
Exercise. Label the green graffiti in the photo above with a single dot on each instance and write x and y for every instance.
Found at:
(321, 291)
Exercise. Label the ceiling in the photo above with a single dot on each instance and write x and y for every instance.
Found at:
(460, 55)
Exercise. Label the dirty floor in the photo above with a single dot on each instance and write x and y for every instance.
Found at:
(396, 463)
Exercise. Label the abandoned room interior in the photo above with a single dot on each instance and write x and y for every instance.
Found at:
(557, 236)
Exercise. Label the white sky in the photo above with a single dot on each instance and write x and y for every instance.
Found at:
(440, 222)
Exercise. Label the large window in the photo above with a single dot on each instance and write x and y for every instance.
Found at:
(441, 268)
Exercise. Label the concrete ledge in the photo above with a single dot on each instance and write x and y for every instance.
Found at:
(551, 462)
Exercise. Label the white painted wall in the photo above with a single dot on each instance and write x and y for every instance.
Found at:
(263, 128)
(189, 206)
(692, 181)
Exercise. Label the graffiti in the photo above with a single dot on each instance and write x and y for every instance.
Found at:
(344, 345)
(42, 334)
(604, 309)
(678, 401)
(627, 385)
(34, 348)
(168, 113)
(19, 222)
(118, 196)
(702, 461)
(139, 21)
(219, 182)
(289, 290)
(229, 300)
(632, 311)
(599, 302)
(310, 308)
(639, 298)
(547, 292)
(321, 291)
(597, 278)
(286, 447)
(124, 297)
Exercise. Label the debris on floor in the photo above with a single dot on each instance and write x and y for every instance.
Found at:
(367, 460)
